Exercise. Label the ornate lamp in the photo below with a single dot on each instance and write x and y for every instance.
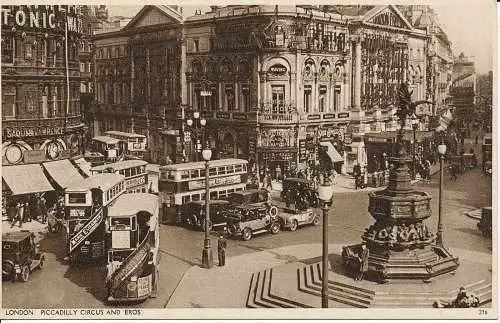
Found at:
(325, 193)
(207, 257)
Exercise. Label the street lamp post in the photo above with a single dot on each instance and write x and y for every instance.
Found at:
(442, 152)
(197, 121)
(325, 193)
(414, 125)
(207, 257)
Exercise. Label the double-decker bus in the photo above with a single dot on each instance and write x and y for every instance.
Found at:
(132, 241)
(107, 146)
(134, 170)
(181, 183)
(133, 145)
(86, 204)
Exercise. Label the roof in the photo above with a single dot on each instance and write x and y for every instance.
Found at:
(26, 179)
(213, 163)
(133, 203)
(124, 134)
(355, 10)
(167, 11)
(16, 236)
(103, 181)
(121, 165)
(62, 171)
(202, 202)
(106, 139)
(84, 166)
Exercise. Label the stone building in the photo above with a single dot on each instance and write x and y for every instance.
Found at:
(41, 117)
(138, 80)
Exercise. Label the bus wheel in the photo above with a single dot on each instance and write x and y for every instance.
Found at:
(247, 234)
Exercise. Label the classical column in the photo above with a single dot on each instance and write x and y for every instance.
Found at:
(357, 75)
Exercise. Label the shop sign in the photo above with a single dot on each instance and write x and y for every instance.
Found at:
(239, 116)
(34, 156)
(329, 116)
(343, 115)
(377, 140)
(136, 181)
(223, 115)
(32, 132)
(329, 133)
(278, 70)
(251, 147)
(45, 17)
(313, 117)
(302, 150)
(279, 155)
(196, 185)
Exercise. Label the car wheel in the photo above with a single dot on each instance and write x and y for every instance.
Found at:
(275, 228)
(316, 220)
(293, 225)
(247, 234)
(25, 273)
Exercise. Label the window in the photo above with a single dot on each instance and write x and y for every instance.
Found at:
(238, 168)
(229, 97)
(307, 98)
(244, 98)
(202, 173)
(197, 97)
(322, 98)
(196, 45)
(8, 101)
(212, 171)
(278, 98)
(31, 101)
(133, 171)
(336, 98)
(213, 195)
(195, 173)
(28, 50)
(127, 172)
(222, 194)
(7, 49)
(185, 174)
(82, 67)
(77, 198)
(221, 170)
(230, 169)
(195, 197)
(213, 102)
(186, 199)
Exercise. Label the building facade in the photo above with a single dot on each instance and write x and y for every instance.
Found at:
(137, 80)
(41, 117)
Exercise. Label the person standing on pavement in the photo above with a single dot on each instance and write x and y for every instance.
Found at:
(42, 209)
(19, 216)
(221, 249)
(27, 213)
(363, 262)
(278, 173)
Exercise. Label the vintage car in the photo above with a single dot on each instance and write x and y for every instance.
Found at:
(193, 214)
(298, 194)
(291, 220)
(254, 197)
(485, 224)
(247, 220)
(20, 255)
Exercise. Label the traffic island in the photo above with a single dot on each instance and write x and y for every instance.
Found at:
(298, 285)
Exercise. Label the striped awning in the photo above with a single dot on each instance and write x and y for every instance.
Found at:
(26, 179)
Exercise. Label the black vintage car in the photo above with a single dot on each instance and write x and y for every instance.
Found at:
(193, 214)
(247, 220)
(253, 197)
(298, 194)
(20, 255)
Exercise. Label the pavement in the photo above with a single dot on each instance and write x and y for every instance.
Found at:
(33, 226)
(236, 275)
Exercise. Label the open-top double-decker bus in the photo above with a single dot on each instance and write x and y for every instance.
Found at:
(134, 170)
(132, 240)
(86, 206)
(133, 145)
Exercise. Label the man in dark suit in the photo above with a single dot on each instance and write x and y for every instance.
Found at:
(221, 249)
(363, 259)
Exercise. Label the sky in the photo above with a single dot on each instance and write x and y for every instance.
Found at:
(470, 27)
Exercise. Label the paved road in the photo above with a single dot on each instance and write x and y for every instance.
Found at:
(60, 286)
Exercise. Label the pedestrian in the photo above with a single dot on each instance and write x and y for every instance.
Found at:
(27, 213)
(268, 182)
(19, 216)
(221, 249)
(42, 209)
(363, 262)
(278, 172)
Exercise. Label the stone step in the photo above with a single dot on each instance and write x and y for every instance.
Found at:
(339, 289)
(256, 290)
(339, 297)
(266, 292)
(252, 290)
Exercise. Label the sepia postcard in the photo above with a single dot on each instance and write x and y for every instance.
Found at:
(248, 161)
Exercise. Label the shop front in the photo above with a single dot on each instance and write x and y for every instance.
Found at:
(277, 161)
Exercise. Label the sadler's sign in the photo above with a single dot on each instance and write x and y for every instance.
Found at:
(196, 185)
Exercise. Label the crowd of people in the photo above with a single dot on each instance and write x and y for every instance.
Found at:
(35, 208)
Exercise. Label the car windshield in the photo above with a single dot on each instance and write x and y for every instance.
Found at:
(9, 247)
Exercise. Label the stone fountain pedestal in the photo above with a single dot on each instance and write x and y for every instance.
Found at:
(400, 244)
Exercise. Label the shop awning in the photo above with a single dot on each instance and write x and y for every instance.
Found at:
(26, 179)
(332, 152)
(84, 166)
(62, 172)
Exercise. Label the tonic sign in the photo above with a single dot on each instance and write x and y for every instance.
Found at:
(87, 229)
(45, 17)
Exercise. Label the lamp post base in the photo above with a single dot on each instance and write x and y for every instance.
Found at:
(207, 258)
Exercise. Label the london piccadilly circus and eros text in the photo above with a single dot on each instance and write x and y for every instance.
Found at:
(42, 17)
